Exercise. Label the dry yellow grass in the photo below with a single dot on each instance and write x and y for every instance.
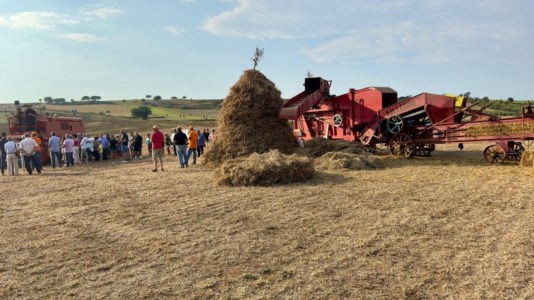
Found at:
(114, 109)
(449, 226)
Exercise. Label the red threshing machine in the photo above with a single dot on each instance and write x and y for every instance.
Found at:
(374, 115)
(27, 120)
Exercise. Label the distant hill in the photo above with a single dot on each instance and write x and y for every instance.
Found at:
(102, 116)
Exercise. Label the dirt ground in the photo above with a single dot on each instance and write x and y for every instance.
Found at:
(449, 227)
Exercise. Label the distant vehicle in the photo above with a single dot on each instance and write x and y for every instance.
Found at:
(26, 120)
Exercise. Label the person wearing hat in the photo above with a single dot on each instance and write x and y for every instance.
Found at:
(12, 158)
(158, 143)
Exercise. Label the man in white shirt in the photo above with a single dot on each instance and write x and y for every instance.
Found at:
(11, 150)
(87, 145)
(28, 147)
(68, 145)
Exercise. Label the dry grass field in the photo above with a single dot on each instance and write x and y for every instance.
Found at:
(446, 227)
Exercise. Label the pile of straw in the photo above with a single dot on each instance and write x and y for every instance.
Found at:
(248, 121)
(527, 158)
(318, 147)
(264, 169)
(344, 160)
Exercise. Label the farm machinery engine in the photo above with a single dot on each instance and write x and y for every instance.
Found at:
(374, 115)
(27, 120)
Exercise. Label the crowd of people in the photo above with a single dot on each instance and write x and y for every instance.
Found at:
(70, 150)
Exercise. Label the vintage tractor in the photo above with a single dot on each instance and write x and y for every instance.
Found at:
(26, 120)
(374, 115)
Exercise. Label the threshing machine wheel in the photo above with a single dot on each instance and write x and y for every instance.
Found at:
(338, 120)
(424, 149)
(395, 124)
(401, 143)
(495, 154)
(516, 152)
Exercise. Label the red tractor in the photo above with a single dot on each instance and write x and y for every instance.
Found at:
(374, 115)
(27, 120)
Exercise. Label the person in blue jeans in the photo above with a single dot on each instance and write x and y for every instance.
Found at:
(54, 145)
(192, 146)
(180, 142)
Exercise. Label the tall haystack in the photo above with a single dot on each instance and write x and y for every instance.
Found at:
(248, 121)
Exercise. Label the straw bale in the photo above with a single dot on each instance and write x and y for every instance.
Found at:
(318, 147)
(527, 158)
(344, 160)
(500, 129)
(248, 121)
(268, 168)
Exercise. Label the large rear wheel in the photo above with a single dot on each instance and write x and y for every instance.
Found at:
(401, 144)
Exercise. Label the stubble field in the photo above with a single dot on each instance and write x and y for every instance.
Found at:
(450, 226)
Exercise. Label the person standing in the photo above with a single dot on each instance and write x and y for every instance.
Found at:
(54, 145)
(192, 146)
(124, 146)
(29, 147)
(172, 141)
(3, 158)
(206, 133)
(148, 142)
(77, 148)
(138, 145)
(113, 146)
(83, 153)
(131, 140)
(104, 143)
(168, 144)
(39, 142)
(68, 145)
(12, 157)
(158, 142)
(87, 146)
(180, 142)
(96, 149)
(200, 143)
(212, 135)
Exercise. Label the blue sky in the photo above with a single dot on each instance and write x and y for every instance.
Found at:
(120, 49)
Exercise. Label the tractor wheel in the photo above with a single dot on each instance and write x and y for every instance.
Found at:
(395, 124)
(495, 154)
(400, 144)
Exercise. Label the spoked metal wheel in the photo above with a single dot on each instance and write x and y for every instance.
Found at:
(395, 124)
(516, 152)
(424, 149)
(495, 154)
(401, 144)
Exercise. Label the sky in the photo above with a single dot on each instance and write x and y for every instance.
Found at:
(126, 49)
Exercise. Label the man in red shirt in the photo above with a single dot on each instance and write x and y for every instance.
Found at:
(158, 144)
